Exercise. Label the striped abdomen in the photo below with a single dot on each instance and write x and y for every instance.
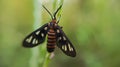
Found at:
(51, 42)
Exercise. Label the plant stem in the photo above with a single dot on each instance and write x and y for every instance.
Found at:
(47, 60)
(34, 62)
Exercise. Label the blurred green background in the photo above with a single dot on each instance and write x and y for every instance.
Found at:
(92, 25)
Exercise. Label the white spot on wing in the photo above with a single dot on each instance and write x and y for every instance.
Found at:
(42, 34)
(37, 33)
(29, 39)
(70, 48)
(65, 48)
(45, 28)
(64, 38)
(34, 40)
(58, 31)
(60, 38)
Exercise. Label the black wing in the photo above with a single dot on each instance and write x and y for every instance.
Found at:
(36, 37)
(64, 43)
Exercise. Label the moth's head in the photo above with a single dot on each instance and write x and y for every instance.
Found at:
(52, 24)
(54, 21)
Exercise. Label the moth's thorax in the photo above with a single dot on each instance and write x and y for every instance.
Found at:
(52, 24)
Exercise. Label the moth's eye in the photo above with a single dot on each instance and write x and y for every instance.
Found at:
(51, 24)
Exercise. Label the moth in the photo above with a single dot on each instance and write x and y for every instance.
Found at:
(55, 36)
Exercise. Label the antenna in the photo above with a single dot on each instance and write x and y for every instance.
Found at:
(54, 15)
(48, 11)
